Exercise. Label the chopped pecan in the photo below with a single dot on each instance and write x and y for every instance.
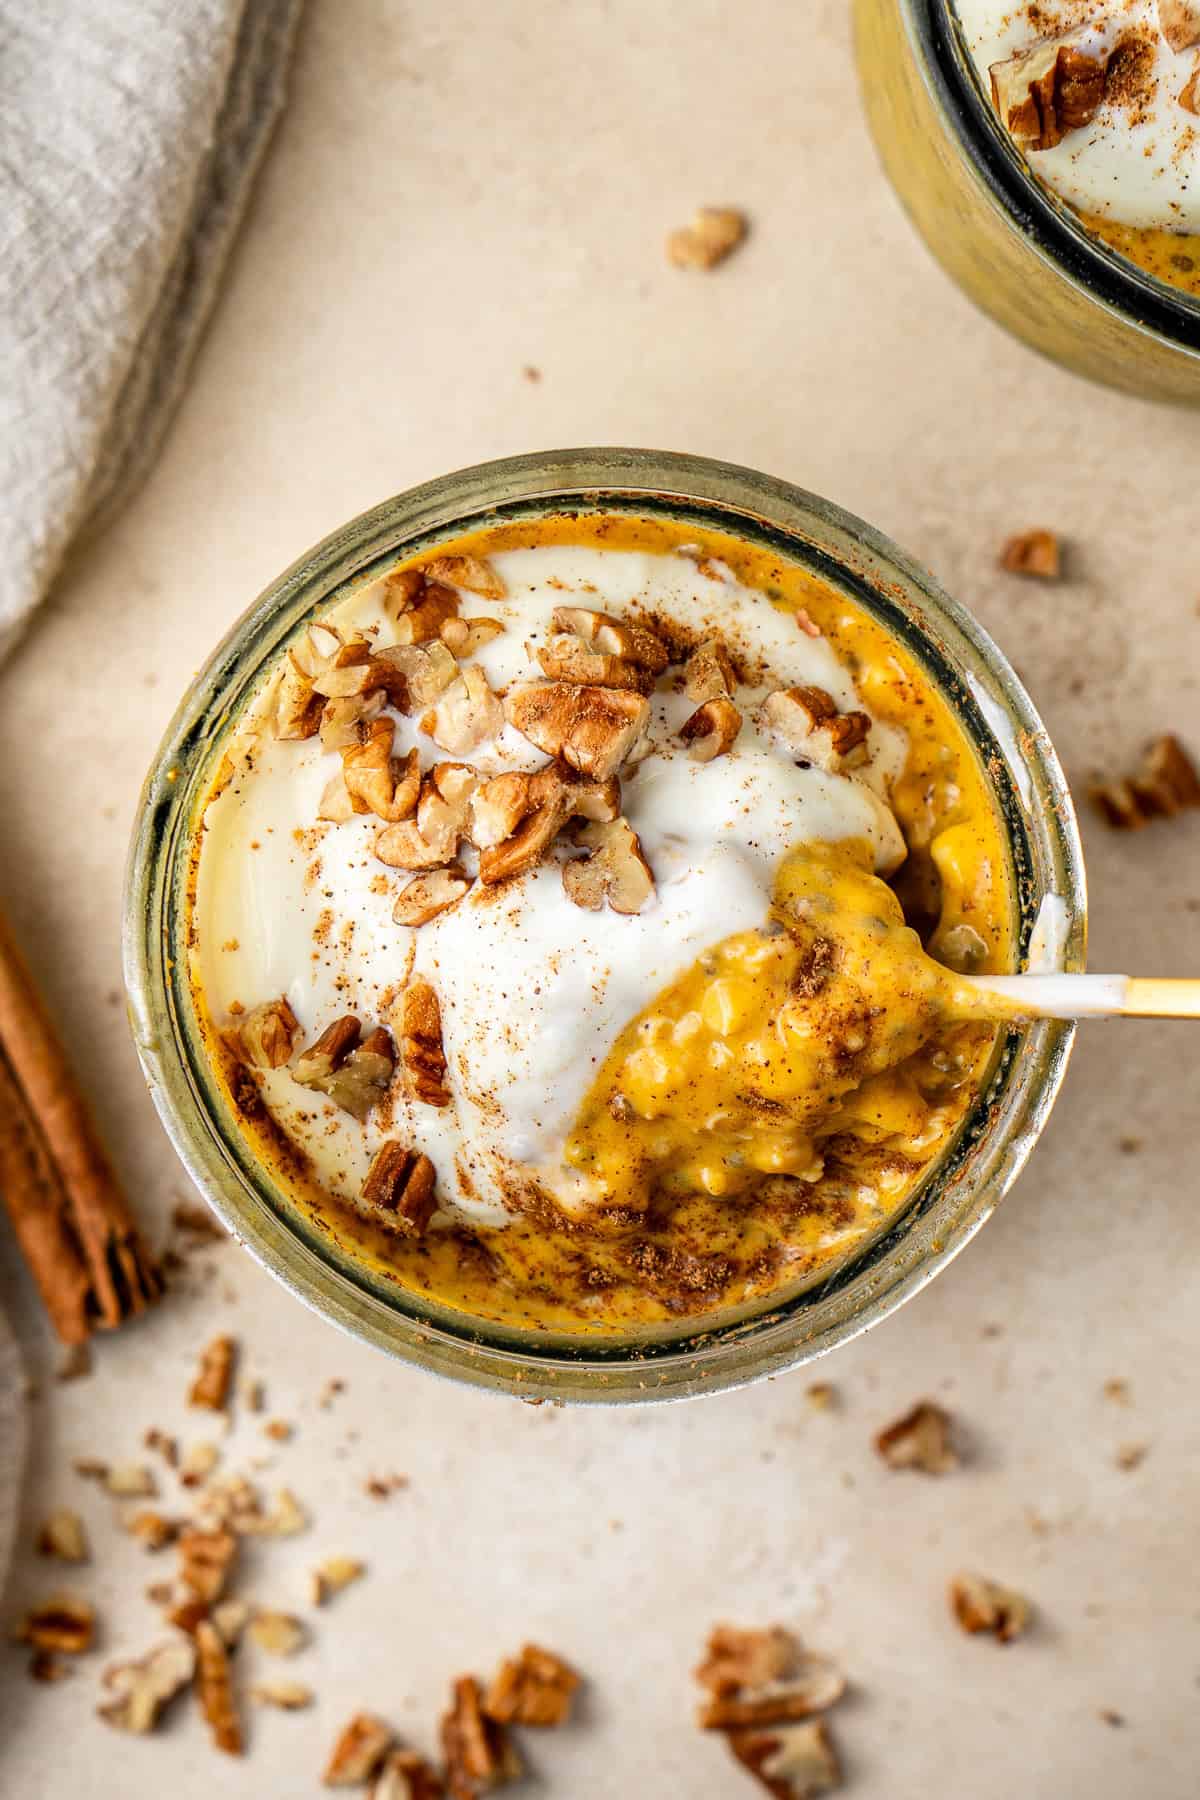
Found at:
(355, 1075)
(332, 1576)
(401, 1188)
(414, 675)
(1189, 93)
(64, 1623)
(214, 1689)
(478, 1752)
(711, 730)
(297, 707)
(565, 658)
(267, 1033)
(214, 1376)
(592, 729)
(375, 781)
(205, 1560)
(406, 1776)
(1179, 22)
(335, 805)
(463, 637)
(535, 1688)
(431, 840)
(708, 673)
(470, 572)
(230, 1618)
(429, 895)
(739, 1659)
(1043, 93)
(63, 1536)
(142, 1690)
(982, 1605)
(813, 1685)
(515, 817)
(360, 1748)
(714, 233)
(288, 1696)
(278, 1633)
(130, 1480)
(614, 637)
(794, 1762)
(920, 1440)
(347, 672)
(153, 1529)
(616, 871)
(1035, 553)
(341, 719)
(421, 1049)
(806, 720)
(197, 1464)
(467, 714)
(402, 589)
(423, 620)
(1167, 783)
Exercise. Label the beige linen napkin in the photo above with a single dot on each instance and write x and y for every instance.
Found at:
(130, 132)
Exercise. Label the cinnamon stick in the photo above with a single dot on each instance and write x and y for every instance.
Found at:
(70, 1216)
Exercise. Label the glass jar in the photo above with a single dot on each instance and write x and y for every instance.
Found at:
(666, 1361)
(1010, 243)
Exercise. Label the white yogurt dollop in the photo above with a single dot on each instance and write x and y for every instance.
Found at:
(534, 990)
(1142, 171)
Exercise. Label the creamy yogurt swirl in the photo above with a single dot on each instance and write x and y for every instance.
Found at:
(1137, 166)
(534, 990)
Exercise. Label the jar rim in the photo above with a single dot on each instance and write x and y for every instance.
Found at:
(1048, 223)
(948, 1206)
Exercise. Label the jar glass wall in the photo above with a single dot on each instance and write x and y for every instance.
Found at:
(720, 1351)
(1018, 250)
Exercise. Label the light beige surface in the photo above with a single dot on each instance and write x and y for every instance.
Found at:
(457, 192)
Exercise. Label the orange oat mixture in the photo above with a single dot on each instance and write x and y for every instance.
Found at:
(763, 1112)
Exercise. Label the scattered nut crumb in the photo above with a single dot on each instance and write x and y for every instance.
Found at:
(167, 1447)
(535, 1688)
(822, 1396)
(1167, 783)
(253, 1396)
(714, 233)
(1131, 1456)
(289, 1696)
(919, 1440)
(142, 1690)
(1111, 1717)
(90, 1468)
(792, 1762)
(45, 1666)
(382, 1487)
(404, 1775)
(1034, 553)
(330, 1392)
(153, 1529)
(64, 1623)
(278, 1633)
(63, 1536)
(215, 1376)
(360, 1748)
(334, 1574)
(131, 1481)
(278, 1430)
(1117, 1389)
(982, 1605)
(199, 1461)
(198, 1222)
(214, 1689)
(478, 1751)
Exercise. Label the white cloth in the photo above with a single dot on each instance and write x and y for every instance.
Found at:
(130, 131)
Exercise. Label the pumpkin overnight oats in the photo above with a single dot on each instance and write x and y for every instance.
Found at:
(1102, 97)
(556, 917)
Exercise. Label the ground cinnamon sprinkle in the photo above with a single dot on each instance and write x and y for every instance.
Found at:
(1132, 84)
